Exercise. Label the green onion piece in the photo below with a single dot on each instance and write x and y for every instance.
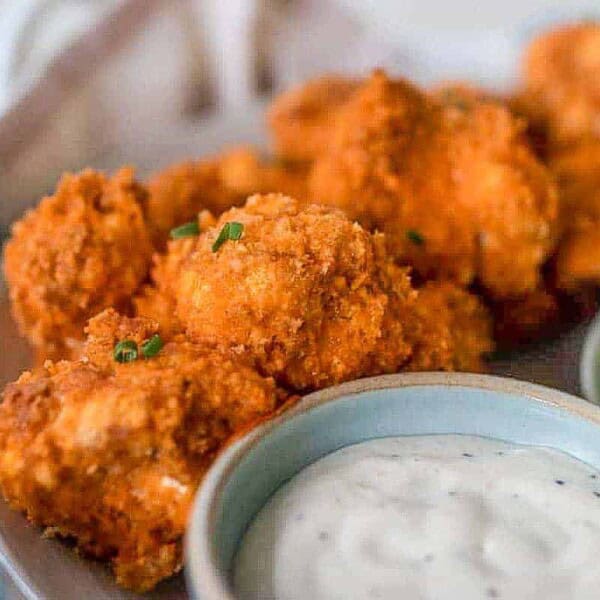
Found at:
(230, 231)
(125, 351)
(235, 230)
(152, 346)
(186, 230)
(415, 237)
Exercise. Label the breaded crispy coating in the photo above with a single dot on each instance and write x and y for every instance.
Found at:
(81, 250)
(181, 191)
(246, 173)
(314, 300)
(562, 87)
(561, 95)
(578, 258)
(306, 293)
(450, 330)
(156, 300)
(456, 189)
(111, 454)
(301, 118)
(577, 170)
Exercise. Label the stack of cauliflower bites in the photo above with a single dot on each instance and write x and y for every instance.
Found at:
(167, 317)
(560, 96)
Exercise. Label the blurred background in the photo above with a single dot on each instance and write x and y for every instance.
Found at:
(147, 82)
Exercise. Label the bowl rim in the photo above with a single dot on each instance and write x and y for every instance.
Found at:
(203, 578)
(588, 369)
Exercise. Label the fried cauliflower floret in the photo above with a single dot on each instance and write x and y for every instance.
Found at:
(562, 87)
(111, 454)
(81, 250)
(306, 293)
(456, 189)
(301, 118)
(246, 173)
(451, 330)
(577, 170)
(156, 300)
(562, 95)
(181, 191)
(578, 258)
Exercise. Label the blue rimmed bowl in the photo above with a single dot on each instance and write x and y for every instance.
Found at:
(253, 467)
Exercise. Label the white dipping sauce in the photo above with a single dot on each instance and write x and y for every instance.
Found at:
(428, 517)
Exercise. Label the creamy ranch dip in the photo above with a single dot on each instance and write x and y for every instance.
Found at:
(428, 517)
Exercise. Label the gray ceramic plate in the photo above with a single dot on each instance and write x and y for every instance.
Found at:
(45, 568)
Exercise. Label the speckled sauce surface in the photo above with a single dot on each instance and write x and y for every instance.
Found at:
(428, 517)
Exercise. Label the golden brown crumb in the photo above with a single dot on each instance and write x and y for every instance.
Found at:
(156, 300)
(451, 330)
(243, 171)
(301, 118)
(311, 297)
(561, 82)
(578, 258)
(111, 454)
(181, 191)
(81, 250)
(456, 189)
(304, 292)
(577, 169)
(562, 98)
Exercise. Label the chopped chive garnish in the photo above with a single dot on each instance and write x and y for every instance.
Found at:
(230, 231)
(125, 351)
(415, 237)
(152, 347)
(186, 230)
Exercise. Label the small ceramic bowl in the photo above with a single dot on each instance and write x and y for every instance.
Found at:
(254, 466)
(589, 364)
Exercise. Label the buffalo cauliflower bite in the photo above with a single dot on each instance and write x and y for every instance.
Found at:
(81, 250)
(178, 193)
(577, 170)
(245, 172)
(156, 300)
(181, 191)
(301, 118)
(306, 293)
(562, 88)
(111, 454)
(314, 300)
(451, 330)
(455, 188)
(561, 95)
